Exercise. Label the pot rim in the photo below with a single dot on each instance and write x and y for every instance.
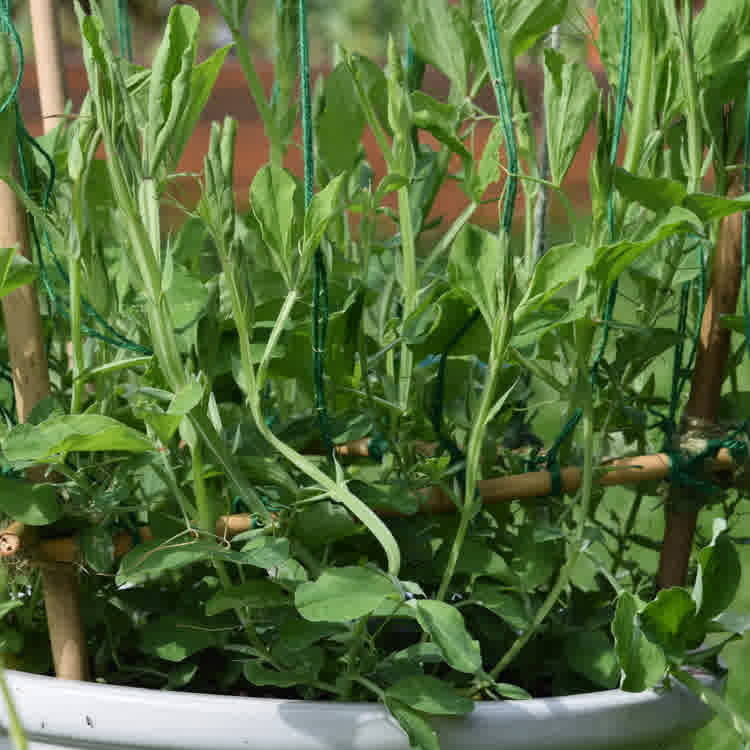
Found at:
(96, 715)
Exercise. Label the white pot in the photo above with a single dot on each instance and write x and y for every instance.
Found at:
(62, 715)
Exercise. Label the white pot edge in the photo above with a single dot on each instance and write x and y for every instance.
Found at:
(61, 714)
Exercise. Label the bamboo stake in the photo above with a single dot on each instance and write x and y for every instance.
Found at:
(49, 62)
(705, 388)
(13, 541)
(28, 359)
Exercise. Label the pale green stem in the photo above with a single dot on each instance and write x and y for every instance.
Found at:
(498, 346)
(643, 105)
(337, 492)
(447, 239)
(76, 338)
(206, 514)
(15, 729)
(409, 275)
(259, 96)
(688, 76)
(587, 484)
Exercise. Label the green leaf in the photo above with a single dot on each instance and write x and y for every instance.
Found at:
(202, 80)
(187, 298)
(151, 559)
(279, 208)
(670, 621)
(439, 119)
(15, 271)
(344, 594)
(297, 635)
(660, 194)
(591, 654)
(97, 549)
(256, 674)
(11, 640)
(439, 35)
(257, 593)
(722, 42)
(559, 266)
(526, 21)
(488, 170)
(187, 398)
(570, 100)
(474, 263)
(655, 193)
(169, 86)
(421, 735)
(340, 122)
(176, 637)
(430, 696)
(324, 523)
(714, 207)
(266, 552)
(75, 432)
(719, 573)
(323, 207)
(445, 625)
(505, 604)
(8, 606)
(612, 260)
(477, 559)
(181, 675)
(511, 692)
(32, 504)
(642, 662)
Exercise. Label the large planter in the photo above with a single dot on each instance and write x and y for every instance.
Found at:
(61, 715)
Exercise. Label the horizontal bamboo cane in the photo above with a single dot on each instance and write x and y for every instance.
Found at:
(534, 484)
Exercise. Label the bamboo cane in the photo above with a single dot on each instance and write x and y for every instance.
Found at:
(705, 389)
(28, 360)
(49, 62)
(13, 540)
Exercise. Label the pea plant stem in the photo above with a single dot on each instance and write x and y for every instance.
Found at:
(471, 500)
(409, 298)
(76, 338)
(258, 94)
(336, 490)
(563, 578)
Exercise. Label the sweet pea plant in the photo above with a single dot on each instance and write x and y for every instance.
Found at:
(233, 340)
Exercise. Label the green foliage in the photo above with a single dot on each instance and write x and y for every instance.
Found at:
(453, 359)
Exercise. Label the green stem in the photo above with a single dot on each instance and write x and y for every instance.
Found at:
(206, 514)
(76, 339)
(409, 276)
(338, 492)
(373, 121)
(351, 655)
(644, 100)
(15, 729)
(500, 337)
(259, 96)
(587, 484)
(688, 76)
(371, 686)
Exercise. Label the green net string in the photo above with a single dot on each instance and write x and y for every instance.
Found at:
(551, 459)
(30, 176)
(320, 280)
(506, 123)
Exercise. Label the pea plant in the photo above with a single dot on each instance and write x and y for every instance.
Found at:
(204, 441)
